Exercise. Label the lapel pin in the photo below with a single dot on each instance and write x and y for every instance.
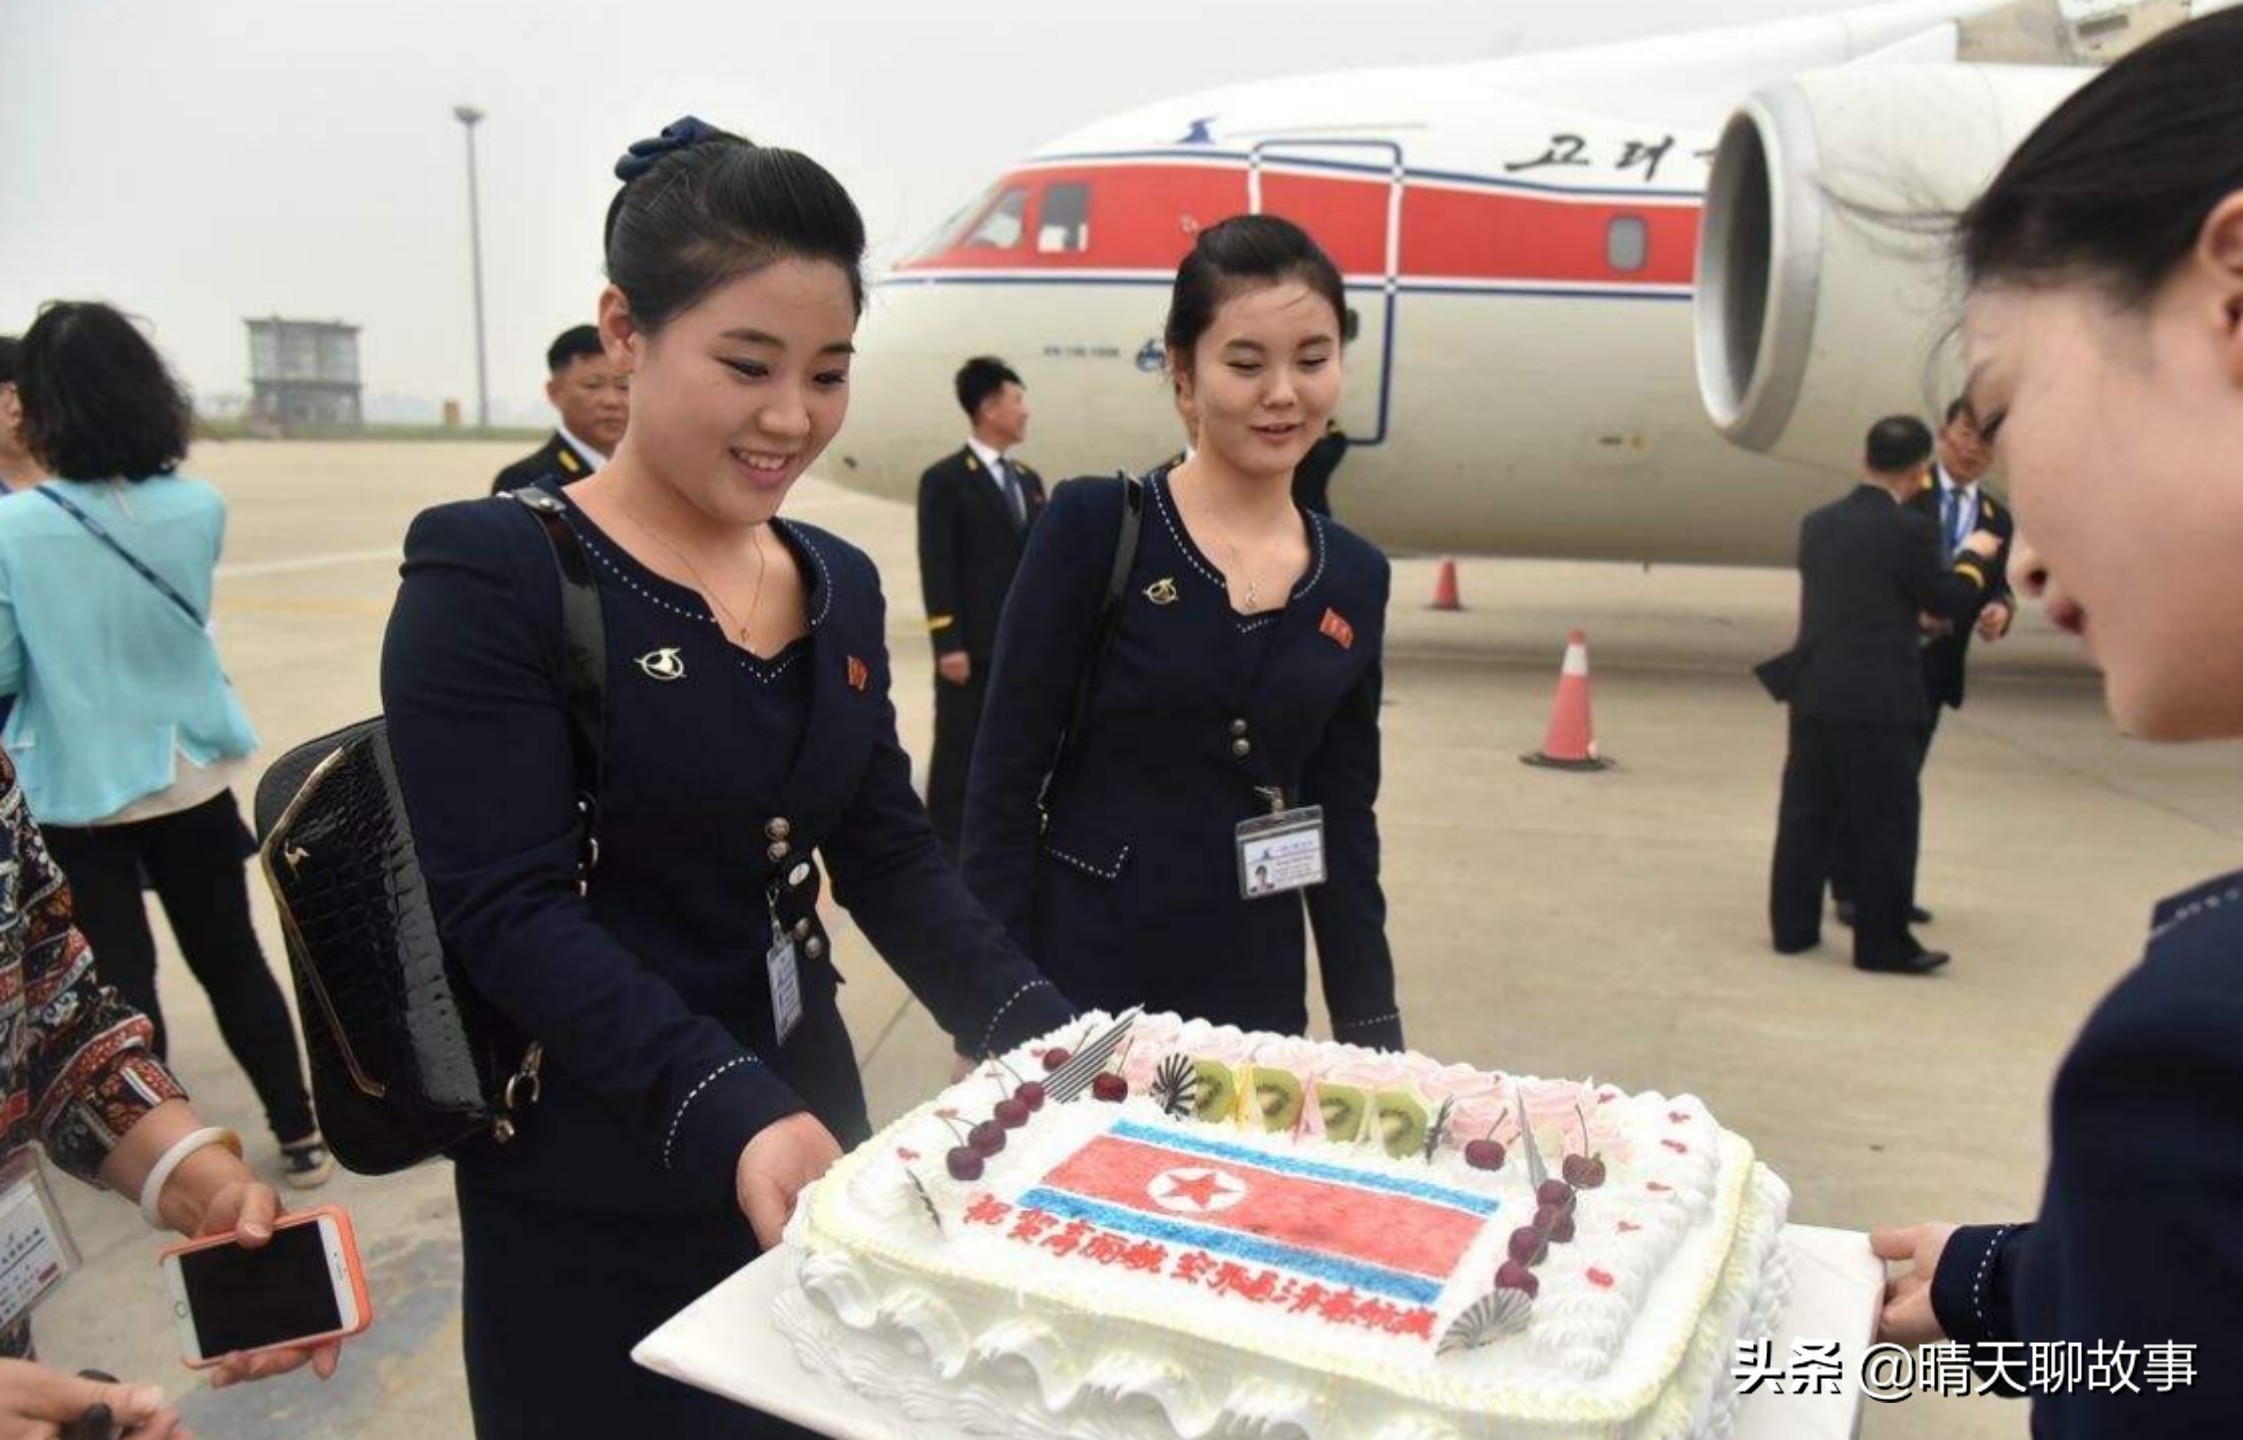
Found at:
(1162, 592)
(1336, 629)
(860, 674)
(663, 664)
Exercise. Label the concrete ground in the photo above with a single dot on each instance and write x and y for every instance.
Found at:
(1551, 923)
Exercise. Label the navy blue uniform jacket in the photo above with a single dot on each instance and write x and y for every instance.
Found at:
(2140, 1236)
(1132, 894)
(650, 993)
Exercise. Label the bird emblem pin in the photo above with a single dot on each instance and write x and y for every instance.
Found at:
(663, 664)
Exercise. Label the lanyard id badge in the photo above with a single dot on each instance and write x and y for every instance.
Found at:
(786, 981)
(1281, 853)
(36, 1252)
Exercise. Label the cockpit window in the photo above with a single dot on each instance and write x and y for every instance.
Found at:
(1063, 226)
(1001, 225)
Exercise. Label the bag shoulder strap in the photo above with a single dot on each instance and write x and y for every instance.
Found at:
(583, 657)
(1126, 539)
(100, 532)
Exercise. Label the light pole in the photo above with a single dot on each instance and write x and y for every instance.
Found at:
(468, 116)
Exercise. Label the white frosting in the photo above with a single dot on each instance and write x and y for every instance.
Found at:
(983, 1316)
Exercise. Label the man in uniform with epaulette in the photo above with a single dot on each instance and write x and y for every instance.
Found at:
(975, 510)
(594, 398)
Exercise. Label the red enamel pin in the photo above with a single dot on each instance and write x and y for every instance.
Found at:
(860, 674)
(1336, 629)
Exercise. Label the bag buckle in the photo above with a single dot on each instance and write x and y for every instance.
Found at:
(523, 1088)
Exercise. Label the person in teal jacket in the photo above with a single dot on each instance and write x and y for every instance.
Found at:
(125, 729)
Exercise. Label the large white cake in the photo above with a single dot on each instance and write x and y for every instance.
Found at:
(1276, 1237)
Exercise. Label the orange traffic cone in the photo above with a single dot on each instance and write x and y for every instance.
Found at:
(1571, 742)
(1445, 596)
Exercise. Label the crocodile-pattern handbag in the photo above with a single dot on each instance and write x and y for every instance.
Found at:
(407, 1061)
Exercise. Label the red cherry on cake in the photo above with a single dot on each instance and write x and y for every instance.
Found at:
(987, 1138)
(1554, 1192)
(1528, 1245)
(1484, 1154)
(1012, 1114)
(1110, 1087)
(1030, 1094)
(1546, 1219)
(1584, 1172)
(1055, 1057)
(1562, 1232)
(1514, 1276)
(964, 1163)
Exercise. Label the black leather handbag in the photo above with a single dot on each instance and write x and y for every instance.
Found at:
(407, 1062)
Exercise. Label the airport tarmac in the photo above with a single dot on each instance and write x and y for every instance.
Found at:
(1542, 922)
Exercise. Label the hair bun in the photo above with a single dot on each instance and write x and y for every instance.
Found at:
(680, 134)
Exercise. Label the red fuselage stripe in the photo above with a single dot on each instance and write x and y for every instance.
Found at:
(1142, 218)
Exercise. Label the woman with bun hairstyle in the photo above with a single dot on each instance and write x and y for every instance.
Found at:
(1231, 720)
(2105, 342)
(696, 1072)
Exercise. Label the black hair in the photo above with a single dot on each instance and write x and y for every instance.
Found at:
(701, 207)
(1897, 444)
(578, 342)
(1242, 250)
(98, 401)
(2115, 185)
(980, 378)
(11, 351)
(1958, 408)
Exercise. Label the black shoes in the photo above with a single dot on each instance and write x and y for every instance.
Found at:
(1797, 947)
(1917, 914)
(1923, 962)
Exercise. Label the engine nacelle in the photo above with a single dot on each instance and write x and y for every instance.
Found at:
(1825, 287)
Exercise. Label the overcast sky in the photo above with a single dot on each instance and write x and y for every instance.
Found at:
(199, 161)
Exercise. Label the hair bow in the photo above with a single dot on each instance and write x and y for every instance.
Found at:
(677, 135)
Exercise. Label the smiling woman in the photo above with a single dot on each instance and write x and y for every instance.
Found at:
(697, 1073)
(1217, 703)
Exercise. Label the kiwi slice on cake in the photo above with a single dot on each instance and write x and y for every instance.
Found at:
(1345, 1108)
(1215, 1098)
(1278, 1098)
(1402, 1122)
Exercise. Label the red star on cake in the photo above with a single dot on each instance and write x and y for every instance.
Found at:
(1196, 1190)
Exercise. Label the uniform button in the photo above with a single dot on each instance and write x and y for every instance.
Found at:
(779, 829)
(799, 876)
(779, 851)
(1242, 748)
(816, 949)
(1238, 727)
(801, 929)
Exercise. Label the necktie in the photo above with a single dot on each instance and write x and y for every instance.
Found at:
(1950, 510)
(1016, 502)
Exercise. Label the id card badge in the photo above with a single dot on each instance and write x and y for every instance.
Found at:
(786, 987)
(1281, 853)
(36, 1252)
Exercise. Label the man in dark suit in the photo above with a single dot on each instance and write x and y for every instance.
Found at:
(594, 398)
(975, 509)
(1955, 500)
(1869, 568)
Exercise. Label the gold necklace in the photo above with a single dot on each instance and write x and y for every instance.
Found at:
(708, 591)
(1252, 601)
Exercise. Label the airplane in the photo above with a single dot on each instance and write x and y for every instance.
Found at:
(1522, 240)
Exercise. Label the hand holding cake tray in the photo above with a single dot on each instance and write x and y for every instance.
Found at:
(1158, 1227)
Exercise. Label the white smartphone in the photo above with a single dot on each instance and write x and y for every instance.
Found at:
(305, 1285)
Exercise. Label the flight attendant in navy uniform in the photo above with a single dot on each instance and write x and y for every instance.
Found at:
(1232, 724)
(697, 1073)
(2107, 369)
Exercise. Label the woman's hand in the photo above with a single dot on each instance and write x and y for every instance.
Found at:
(777, 1164)
(36, 1403)
(1907, 1317)
(242, 1206)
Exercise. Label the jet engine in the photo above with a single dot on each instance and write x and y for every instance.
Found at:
(1826, 296)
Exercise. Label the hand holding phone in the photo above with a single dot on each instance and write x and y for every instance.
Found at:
(302, 1288)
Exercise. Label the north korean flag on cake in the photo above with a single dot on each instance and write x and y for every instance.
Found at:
(1383, 1234)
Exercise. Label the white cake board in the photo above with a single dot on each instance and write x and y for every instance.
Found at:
(724, 1342)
